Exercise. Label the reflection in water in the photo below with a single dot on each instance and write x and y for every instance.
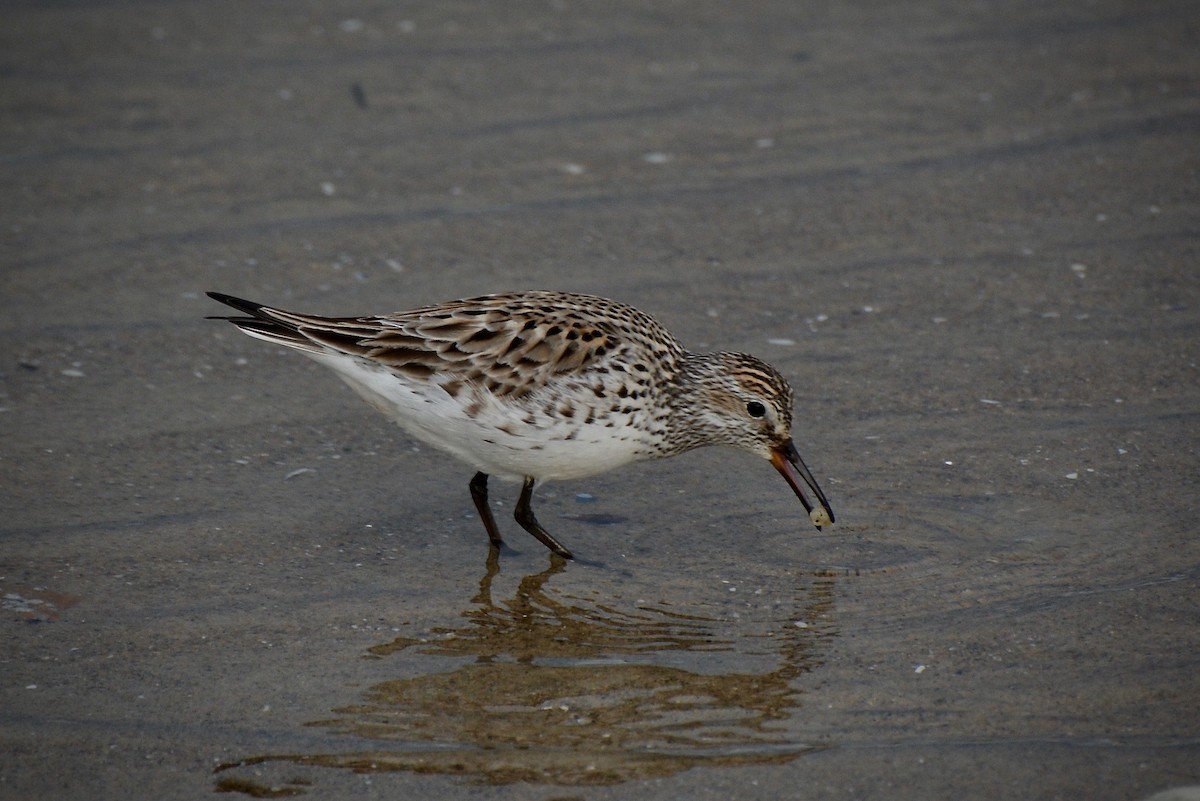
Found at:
(560, 690)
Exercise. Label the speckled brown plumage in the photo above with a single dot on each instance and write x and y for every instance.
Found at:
(542, 385)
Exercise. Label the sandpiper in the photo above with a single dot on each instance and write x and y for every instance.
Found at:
(539, 385)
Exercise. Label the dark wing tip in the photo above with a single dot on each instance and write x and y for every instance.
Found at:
(242, 305)
(261, 321)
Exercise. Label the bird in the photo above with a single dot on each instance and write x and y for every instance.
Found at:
(545, 385)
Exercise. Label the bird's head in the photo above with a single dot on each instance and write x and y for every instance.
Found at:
(738, 400)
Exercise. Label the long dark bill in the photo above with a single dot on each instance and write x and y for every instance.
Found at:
(789, 464)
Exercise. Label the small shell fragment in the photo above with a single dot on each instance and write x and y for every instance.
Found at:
(820, 517)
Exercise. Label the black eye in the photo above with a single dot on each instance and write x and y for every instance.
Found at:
(755, 409)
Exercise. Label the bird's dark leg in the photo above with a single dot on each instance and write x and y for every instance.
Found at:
(524, 515)
(479, 495)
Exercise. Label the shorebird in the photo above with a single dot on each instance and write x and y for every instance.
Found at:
(535, 386)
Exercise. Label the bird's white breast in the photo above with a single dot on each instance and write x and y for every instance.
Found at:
(503, 437)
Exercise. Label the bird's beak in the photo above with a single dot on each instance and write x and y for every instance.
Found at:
(789, 464)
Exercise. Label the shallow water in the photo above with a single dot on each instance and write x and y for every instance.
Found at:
(966, 234)
(552, 688)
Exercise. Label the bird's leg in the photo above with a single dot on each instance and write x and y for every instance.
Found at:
(479, 495)
(524, 515)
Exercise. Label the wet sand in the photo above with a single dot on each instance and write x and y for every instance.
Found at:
(968, 234)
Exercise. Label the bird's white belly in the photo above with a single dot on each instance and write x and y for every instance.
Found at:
(500, 437)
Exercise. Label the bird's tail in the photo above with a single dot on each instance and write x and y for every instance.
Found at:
(263, 322)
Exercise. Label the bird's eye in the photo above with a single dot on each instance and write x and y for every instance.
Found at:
(755, 409)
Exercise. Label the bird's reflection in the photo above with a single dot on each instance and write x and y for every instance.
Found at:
(560, 690)
(536, 626)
